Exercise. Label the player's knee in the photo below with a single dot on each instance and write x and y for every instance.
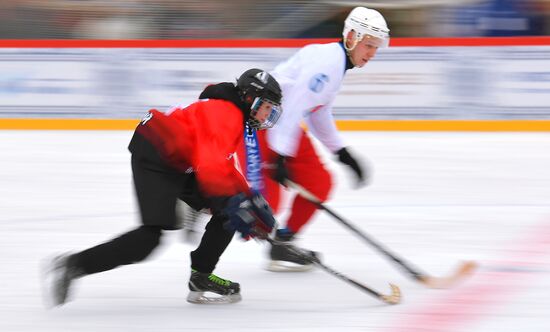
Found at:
(149, 240)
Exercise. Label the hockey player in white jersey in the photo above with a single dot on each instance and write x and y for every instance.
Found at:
(310, 81)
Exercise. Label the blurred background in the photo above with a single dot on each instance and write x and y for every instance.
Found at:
(189, 19)
(437, 198)
(440, 81)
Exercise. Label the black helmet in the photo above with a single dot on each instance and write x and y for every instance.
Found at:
(255, 87)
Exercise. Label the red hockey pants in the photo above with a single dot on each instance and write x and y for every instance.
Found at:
(305, 169)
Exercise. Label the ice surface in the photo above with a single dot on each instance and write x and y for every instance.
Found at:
(435, 199)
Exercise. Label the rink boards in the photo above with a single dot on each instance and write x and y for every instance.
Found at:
(492, 84)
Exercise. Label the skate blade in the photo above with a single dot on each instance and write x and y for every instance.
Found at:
(283, 266)
(201, 298)
(50, 298)
(46, 280)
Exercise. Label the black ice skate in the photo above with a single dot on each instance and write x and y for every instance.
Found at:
(285, 257)
(60, 273)
(200, 284)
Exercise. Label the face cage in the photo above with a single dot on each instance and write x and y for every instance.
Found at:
(276, 111)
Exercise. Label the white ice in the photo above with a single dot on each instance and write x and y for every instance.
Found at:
(435, 199)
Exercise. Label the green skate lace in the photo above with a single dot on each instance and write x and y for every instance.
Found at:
(214, 278)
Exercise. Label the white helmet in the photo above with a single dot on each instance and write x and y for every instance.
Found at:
(365, 21)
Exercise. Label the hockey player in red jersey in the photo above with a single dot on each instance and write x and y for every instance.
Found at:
(187, 154)
(310, 81)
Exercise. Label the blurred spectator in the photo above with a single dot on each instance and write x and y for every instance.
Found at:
(510, 18)
(495, 18)
(192, 19)
(218, 19)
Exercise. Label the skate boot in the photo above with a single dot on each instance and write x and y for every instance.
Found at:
(60, 273)
(286, 257)
(200, 284)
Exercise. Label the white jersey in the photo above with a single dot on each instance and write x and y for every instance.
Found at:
(309, 80)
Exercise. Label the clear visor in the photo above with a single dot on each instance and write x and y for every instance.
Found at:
(380, 36)
(264, 117)
(376, 41)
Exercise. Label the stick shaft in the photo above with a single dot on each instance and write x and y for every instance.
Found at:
(413, 272)
(392, 298)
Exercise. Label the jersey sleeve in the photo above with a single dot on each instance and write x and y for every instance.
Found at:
(321, 124)
(309, 80)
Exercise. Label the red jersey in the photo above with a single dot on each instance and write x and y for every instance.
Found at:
(201, 137)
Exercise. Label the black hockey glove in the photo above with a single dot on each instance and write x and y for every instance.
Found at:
(281, 172)
(346, 158)
(249, 215)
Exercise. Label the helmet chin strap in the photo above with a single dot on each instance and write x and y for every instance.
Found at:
(354, 43)
(355, 40)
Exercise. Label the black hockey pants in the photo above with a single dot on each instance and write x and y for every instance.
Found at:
(136, 245)
(157, 187)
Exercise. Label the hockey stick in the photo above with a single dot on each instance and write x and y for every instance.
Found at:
(460, 273)
(393, 298)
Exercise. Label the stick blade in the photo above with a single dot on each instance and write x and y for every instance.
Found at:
(463, 271)
(394, 297)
